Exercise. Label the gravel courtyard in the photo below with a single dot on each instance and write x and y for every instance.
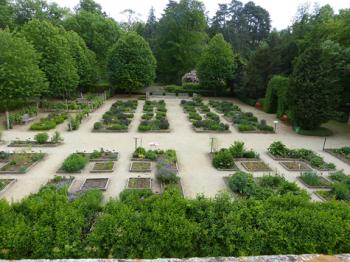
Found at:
(195, 169)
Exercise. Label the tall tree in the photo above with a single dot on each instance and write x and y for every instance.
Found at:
(6, 14)
(56, 59)
(150, 29)
(315, 87)
(243, 26)
(90, 6)
(131, 64)
(20, 76)
(26, 10)
(180, 39)
(216, 66)
(85, 60)
(99, 33)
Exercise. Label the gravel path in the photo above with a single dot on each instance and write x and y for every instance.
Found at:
(197, 174)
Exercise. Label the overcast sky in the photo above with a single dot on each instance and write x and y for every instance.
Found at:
(282, 11)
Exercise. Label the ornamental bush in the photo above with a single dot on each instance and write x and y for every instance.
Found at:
(276, 95)
(41, 138)
(75, 163)
(223, 159)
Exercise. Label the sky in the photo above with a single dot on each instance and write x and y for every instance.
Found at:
(282, 11)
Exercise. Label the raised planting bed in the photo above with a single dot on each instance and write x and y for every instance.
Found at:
(154, 119)
(5, 184)
(61, 182)
(118, 118)
(256, 166)
(103, 167)
(30, 143)
(203, 120)
(296, 166)
(103, 156)
(278, 151)
(140, 167)
(21, 163)
(95, 183)
(74, 164)
(325, 195)
(50, 122)
(223, 161)
(313, 180)
(177, 185)
(342, 154)
(139, 183)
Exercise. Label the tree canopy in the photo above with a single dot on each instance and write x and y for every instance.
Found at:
(56, 59)
(216, 67)
(131, 64)
(20, 75)
(181, 37)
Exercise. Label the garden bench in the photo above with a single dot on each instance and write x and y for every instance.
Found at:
(26, 118)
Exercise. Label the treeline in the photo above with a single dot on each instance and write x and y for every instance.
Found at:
(303, 70)
(51, 225)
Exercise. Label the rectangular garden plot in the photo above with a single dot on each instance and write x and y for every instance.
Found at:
(312, 180)
(118, 118)
(176, 185)
(21, 163)
(256, 166)
(139, 183)
(103, 167)
(6, 184)
(342, 154)
(95, 183)
(140, 167)
(60, 182)
(295, 166)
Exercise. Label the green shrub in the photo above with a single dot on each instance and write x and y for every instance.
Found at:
(118, 127)
(151, 155)
(223, 160)
(341, 191)
(311, 179)
(98, 126)
(246, 127)
(278, 149)
(41, 138)
(237, 149)
(75, 163)
(140, 152)
(242, 183)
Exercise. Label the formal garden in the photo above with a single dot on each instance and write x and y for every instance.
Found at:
(199, 132)
(118, 118)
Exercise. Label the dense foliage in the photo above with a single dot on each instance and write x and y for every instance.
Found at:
(51, 225)
(20, 75)
(131, 64)
(216, 65)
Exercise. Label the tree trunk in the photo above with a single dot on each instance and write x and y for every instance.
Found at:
(349, 119)
(7, 120)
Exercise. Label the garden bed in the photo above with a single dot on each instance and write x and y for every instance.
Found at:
(118, 118)
(5, 184)
(103, 156)
(95, 183)
(200, 130)
(103, 167)
(140, 167)
(314, 181)
(60, 182)
(50, 122)
(177, 185)
(341, 156)
(295, 166)
(139, 183)
(28, 143)
(21, 163)
(278, 151)
(256, 166)
(154, 118)
(325, 195)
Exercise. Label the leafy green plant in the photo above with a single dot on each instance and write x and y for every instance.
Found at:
(223, 160)
(74, 163)
(41, 138)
